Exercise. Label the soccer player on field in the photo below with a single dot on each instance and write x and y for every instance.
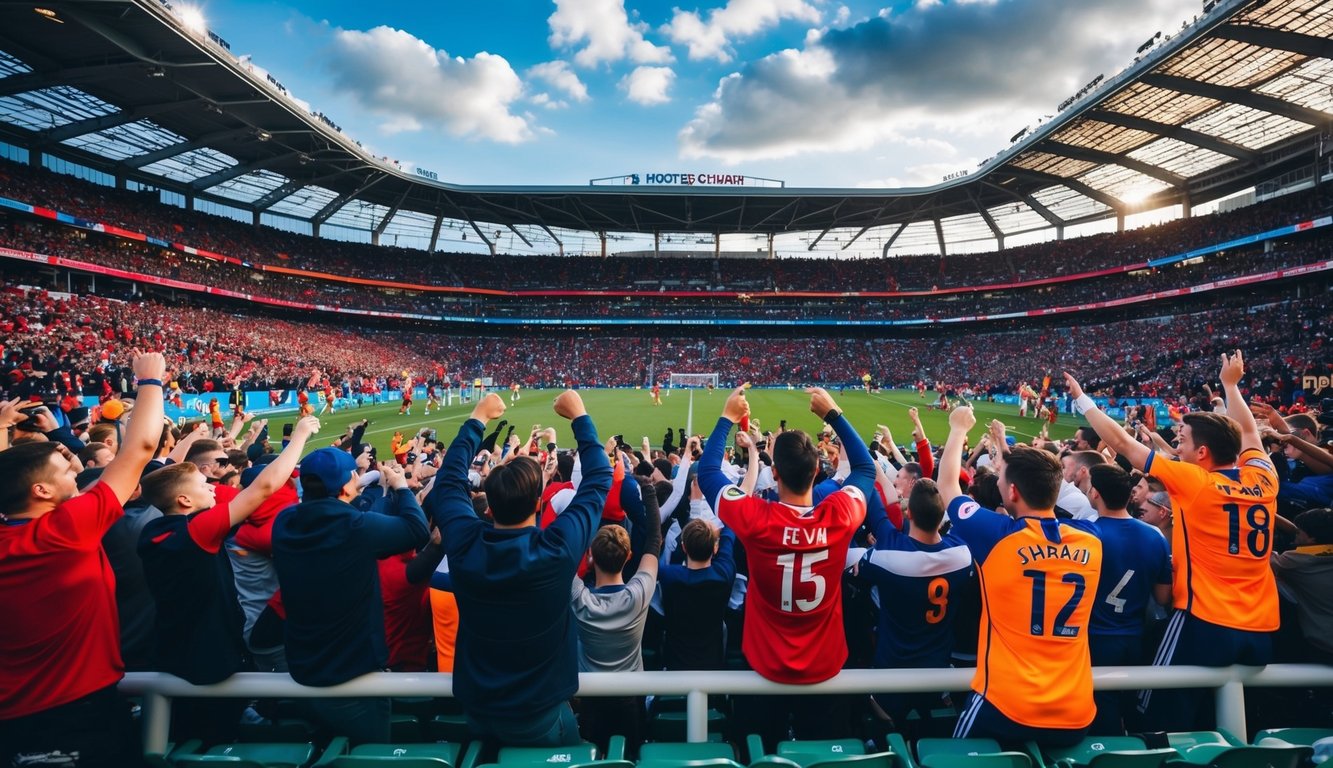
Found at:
(406, 407)
(1039, 578)
(657, 393)
(796, 553)
(432, 398)
(514, 395)
(1224, 491)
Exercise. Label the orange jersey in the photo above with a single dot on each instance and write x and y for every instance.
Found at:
(1038, 579)
(1223, 539)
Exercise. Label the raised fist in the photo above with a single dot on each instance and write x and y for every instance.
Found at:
(569, 405)
(962, 418)
(489, 407)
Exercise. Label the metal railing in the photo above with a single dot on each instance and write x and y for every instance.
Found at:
(1228, 682)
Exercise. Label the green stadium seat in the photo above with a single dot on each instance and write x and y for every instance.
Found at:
(664, 751)
(977, 760)
(926, 747)
(1300, 736)
(437, 754)
(807, 752)
(1183, 740)
(165, 759)
(1104, 752)
(707, 762)
(227, 760)
(269, 755)
(387, 761)
(448, 727)
(1227, 756)
(562, 756)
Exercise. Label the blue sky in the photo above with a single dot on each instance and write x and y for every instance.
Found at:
(814, 92)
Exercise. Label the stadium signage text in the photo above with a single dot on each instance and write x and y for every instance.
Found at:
(689, 179)
(432, 175)
(1316, 384)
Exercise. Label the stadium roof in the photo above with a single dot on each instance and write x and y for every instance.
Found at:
(1241, 94)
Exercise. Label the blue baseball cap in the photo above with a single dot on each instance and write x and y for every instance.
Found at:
(332, 466)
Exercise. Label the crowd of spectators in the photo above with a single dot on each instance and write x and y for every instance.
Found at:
(142, 259)
(47, 337)
(141, 212)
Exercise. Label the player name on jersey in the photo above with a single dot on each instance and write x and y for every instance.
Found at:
(1052, 552)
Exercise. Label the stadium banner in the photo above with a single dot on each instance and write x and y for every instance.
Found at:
(1230, 282)
(268, 400)
(193, 407)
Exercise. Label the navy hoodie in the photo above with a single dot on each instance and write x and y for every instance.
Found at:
(325, 553)
(517, 649)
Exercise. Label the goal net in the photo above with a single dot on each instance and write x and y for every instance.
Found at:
(694, 380)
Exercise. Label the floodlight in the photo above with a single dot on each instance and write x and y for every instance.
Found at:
(193, 19)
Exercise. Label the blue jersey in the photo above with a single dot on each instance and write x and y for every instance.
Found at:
(916, 582)
(1135, 558)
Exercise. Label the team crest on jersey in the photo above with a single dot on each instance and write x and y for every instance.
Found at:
(732, 493)
(965, 511)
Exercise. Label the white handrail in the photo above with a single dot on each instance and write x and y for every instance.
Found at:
(158, 688)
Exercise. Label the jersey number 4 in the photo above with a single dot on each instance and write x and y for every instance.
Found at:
(808, 576)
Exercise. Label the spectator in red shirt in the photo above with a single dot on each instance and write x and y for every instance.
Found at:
(60, 639)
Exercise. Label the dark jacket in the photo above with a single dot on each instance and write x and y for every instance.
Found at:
(517, 643)
(325, 553)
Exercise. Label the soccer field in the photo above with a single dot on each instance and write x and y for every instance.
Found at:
(631, 413)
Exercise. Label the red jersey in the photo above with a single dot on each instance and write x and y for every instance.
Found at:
(793, 617)
(60, 639)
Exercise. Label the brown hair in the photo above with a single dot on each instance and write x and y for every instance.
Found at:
(699, 538)
(22, 467)
(610, 549)
(162, 486)
(1035, 474)
(1218, 433)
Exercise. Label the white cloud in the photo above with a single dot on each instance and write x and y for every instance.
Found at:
(559, 76)
(843, 15)
(604, 30)
(956, 68)
(738, 19)
(648, 85)
(412, 85)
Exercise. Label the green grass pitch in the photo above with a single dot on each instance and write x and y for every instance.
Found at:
(631, 413)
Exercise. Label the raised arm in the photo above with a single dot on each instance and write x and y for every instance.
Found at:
(1111, 433)
(744, 440)
(862, 476)
(140, 440)
(275, 474)
(961, 419)
(449, 504)
(573, 530)
(680, 484)
(711, 478)
(1233, 368)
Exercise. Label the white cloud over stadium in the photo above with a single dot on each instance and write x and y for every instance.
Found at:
(412, 85)
(955, 67)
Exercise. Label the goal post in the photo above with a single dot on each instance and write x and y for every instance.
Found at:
(691, 382)
(696, 380)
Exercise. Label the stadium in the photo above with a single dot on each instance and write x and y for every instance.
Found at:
(1028, 465)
